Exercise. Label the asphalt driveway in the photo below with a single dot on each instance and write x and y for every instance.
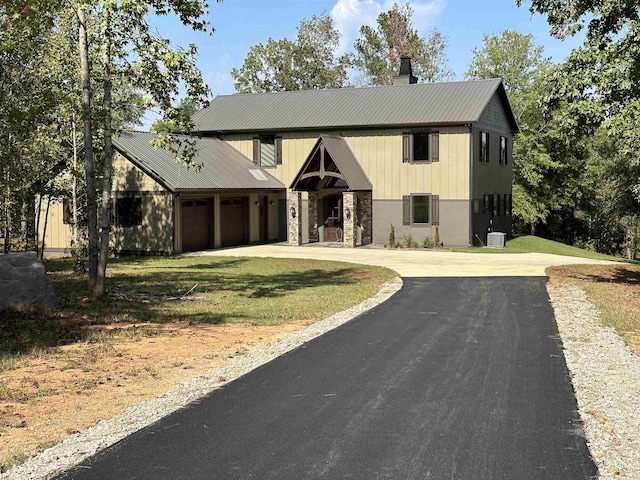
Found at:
(452, 378)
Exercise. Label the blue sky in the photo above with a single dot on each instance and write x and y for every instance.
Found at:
(240, 24)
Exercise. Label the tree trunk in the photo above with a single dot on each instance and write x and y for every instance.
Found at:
(44, 227)
(533, 228)
(24, 226)
(92, 214)
(629, 237)
(7, 217)
(74, 192)
(37, 226)
(108, 158)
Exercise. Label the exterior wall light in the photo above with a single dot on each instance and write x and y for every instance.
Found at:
(293, 211)
(257, 204)
(347, 213)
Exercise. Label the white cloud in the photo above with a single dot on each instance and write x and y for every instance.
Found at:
(349, 15)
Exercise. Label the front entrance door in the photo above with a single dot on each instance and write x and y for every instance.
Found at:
(333, 218)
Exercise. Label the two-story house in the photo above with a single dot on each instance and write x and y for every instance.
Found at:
(324, 165)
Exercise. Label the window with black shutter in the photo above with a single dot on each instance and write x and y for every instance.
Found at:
(420, 147)
(267, 151)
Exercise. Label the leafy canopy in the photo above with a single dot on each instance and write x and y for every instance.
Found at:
(309, 62)
(378, 50)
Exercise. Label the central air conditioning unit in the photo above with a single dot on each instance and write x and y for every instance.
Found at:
(496, 240)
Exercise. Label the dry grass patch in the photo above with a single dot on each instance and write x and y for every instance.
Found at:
(614, 290)
(67, 369)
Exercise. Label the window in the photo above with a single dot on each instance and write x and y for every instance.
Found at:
(128, 212)
(267, 151)
(484, 147)
(420, 209)
(420, 147)
(67, 212)
(496, 204)
(508, 204)
(503, 150)
(488, 203)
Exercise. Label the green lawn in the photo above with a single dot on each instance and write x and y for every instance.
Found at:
(529, 244)
(257, 291)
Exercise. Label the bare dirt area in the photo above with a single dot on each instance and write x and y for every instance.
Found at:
(63, 392)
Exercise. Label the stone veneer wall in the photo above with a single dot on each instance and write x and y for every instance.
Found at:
(366, 216)
(295, 224)
(349, 224)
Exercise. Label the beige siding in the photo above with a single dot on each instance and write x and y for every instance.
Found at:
(156, 232)
(380, 155)
(126, 176)
(57, 235)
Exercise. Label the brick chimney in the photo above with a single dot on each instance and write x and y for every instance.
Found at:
(406, 75)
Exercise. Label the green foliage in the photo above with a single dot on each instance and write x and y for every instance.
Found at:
(427, 242)
(309, 62)
(392, 237)
(378, 50)
(408, 240)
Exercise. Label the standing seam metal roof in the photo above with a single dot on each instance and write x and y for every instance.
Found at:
(223, 167)
(394, 105)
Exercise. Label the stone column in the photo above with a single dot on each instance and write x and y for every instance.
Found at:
(349, 219)
(366, 217)
(313, 217)
(295, 223)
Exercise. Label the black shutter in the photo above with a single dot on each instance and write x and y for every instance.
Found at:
(435, 209)
(278, 145)
(407, 148)
(434, 147)
(406, 209)
(256, 150)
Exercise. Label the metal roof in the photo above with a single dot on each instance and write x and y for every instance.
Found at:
(344, 160)
(223, 167)
(394, 105)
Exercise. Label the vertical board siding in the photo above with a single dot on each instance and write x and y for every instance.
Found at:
(380, 155)
(126, 176)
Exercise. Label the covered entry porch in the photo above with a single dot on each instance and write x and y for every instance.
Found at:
(339, 197)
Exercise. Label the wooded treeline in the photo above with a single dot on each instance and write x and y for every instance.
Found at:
(72, 72)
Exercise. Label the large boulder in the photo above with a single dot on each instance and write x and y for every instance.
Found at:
(23, 282)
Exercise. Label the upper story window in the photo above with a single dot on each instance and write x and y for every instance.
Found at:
(267, 151)
(484, 147)
(420, 147)
(503, 150)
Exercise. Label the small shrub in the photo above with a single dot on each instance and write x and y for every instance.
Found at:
(427, 242)
(436, 237)
(392, 237)
(408, 240)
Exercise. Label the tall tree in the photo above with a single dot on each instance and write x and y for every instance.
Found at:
(378, 50)
(604, 70)
(309, 62)
(130, 49)
(512, 56)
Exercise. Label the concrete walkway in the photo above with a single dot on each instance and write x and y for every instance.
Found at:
(417, 263)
